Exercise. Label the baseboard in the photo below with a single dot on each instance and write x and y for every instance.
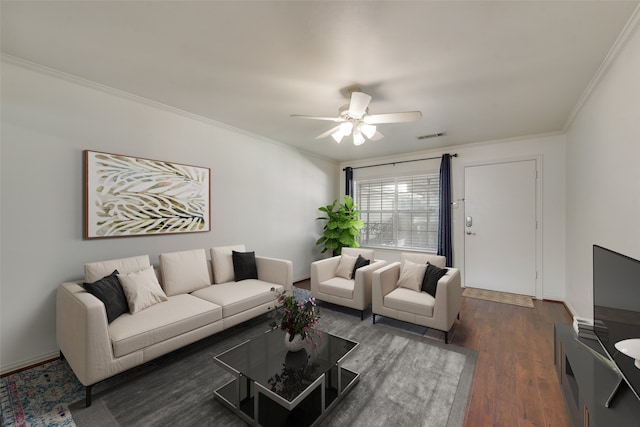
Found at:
(28, 363)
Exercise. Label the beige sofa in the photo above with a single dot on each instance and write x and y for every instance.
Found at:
(202, 299)
(353, 292)
(439, 312)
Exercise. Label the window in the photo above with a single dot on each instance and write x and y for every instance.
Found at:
(399, 212)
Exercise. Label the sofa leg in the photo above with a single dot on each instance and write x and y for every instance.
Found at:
(446, 337)
(458, 315)
(87, 399)
(361, 315)
(374, 318)
(61, 355)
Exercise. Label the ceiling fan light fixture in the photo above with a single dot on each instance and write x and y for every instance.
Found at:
(367, 129)
(337, 136)
(358, 138)
(346, 128)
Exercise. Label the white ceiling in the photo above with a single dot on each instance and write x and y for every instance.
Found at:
(477, 70)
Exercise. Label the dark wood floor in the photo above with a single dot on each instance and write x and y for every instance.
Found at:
(514, 383)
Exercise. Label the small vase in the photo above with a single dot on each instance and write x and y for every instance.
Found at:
(296, 344)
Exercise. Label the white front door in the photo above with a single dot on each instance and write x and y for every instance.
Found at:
(500, 227)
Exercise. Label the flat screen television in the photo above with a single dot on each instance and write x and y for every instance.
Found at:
(616, 308)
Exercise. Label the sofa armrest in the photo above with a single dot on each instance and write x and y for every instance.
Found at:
(384, 281)
(82, 330)
(277, 271)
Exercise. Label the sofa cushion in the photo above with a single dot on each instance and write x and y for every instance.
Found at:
(176, 316)
(431, 277)
(236, 297)
(184, 272)
(141, 288)
(337, 286)
(345, 267)
(244, 265)
(406, 300)
(109, 291)
(411, 275)
(97, 270)
(223, 263)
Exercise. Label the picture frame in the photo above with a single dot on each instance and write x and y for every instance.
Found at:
(135, 196)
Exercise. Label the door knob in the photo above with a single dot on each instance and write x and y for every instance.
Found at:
(470, 233)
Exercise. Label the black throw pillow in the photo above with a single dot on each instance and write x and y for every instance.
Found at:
(360, 262)
(244, 265)
(431, 277)
(110, 292)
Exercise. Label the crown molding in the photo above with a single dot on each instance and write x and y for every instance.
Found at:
(72, 78)
(630, 28)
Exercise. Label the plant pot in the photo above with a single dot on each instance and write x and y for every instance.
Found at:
(296, 344)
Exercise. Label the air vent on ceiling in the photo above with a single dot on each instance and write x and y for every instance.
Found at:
(432, 135)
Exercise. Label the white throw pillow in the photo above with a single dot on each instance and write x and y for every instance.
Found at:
(184, 272)
(141, 289)
(95, 271)
(223, 263)
(411, 275)
(345, 267)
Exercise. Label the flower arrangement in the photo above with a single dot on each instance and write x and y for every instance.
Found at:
(298, 317)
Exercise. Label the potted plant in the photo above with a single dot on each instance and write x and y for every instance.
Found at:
(342, 227)
(298, 320)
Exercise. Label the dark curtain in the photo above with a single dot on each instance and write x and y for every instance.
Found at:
(444, 214)
(348, 179)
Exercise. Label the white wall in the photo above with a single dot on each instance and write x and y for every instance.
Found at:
(603, 175)
(549, 150)
(264, 194)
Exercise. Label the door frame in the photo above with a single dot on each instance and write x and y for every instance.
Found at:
(539, 281)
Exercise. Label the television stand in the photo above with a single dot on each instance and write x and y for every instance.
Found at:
(586, 381)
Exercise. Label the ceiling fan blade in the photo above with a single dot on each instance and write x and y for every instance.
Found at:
(358, 105)
(329, 132)
(408, 116)
(377, 136)
(328, 119)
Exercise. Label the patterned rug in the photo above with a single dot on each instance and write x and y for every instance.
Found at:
(503, 297)
(40, 396)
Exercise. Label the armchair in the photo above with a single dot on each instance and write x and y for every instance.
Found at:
(408, 305)
(354, 292)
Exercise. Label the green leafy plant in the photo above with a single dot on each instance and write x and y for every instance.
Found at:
(342, 227)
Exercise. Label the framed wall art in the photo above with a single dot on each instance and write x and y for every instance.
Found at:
(131, 196)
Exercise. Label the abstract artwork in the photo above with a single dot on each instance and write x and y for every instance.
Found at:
(131, 196)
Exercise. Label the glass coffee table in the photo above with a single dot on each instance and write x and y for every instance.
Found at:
(274, 387)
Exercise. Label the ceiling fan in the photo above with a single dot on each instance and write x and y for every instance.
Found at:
(354, 119)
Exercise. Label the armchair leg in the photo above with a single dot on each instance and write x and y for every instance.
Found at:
(87, 399)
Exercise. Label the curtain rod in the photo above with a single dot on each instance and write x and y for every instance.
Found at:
(402, 161)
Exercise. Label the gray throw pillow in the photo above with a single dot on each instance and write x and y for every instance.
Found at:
(431, 277)
(109, 291)
(244, 265)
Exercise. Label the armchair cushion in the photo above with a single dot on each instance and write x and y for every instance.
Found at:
(411, 275)
(431, 277)
(244, 265)
(346, 266)
(409, 301)
(360, 262)
(337, 286)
